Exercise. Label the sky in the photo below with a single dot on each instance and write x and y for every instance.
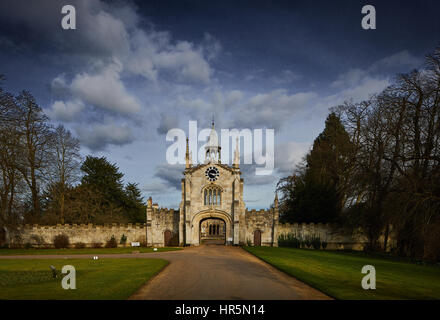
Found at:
(133, 70)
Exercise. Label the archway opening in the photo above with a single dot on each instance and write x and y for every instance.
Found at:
(212, 231)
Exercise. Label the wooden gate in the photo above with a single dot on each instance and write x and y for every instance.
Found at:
(167, 238)
(257, 238)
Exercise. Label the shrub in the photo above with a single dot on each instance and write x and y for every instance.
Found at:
(61, 241)
(324, 244)
(17, 242)
(288, 240)
(37, 239)
(316, 243)
(80, 245)
(248, 242)
(28, 245)
(111, 243)
(308, 242)
(96, 245)
(123, 239)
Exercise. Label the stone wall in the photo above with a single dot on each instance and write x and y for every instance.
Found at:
(87, 234)
(335, 236)
(261, 220)
(168, 219)
(162, 220)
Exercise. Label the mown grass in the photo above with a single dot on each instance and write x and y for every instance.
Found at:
(95, 279)
(34, 251)
(338, 274)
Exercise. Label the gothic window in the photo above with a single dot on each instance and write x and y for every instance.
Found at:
(212, 196)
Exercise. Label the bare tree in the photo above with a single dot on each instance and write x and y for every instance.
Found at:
(36, 136)
(65, 163)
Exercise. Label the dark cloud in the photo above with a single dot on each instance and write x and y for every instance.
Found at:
(167, 122)
(98, 136)
(171, 175)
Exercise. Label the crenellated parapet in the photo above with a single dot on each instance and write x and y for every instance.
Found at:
(88, 234)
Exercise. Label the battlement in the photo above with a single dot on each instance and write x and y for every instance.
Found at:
(254, 211)
(81, 226)
(166, 211)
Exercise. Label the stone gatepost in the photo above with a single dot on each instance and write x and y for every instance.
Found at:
(148, 226)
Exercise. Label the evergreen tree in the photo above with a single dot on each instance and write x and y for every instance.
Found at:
(105, 177)
(134, 204)
(316, 192)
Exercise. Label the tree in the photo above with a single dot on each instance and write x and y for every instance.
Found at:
(65, 162)
(134, 204)
(397, 164)
(36, 135)
(11, 181)
(318, 189)
(331, 157)
(101, 175)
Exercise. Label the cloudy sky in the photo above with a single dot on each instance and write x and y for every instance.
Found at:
(133, 70)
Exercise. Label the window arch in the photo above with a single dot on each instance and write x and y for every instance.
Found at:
(212, 195)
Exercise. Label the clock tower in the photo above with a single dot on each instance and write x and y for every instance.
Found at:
(212, 209)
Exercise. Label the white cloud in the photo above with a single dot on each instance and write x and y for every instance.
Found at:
(272, 109)
(99, 136)
(154, 54)
(65, 111)
(105, 90)
(289, 154)
(403, 60)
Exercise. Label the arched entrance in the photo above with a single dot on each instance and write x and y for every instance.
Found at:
(193, 233)
(212, 231)
(257, 238)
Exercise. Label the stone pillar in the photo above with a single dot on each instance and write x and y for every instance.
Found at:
(276, 216)
(182, 217)
(148, 225)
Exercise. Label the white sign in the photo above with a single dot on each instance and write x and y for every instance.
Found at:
(135, 244)
(230, 239)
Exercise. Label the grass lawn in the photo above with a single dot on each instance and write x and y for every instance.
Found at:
(95, 279)
(338, 274)
(12, 252)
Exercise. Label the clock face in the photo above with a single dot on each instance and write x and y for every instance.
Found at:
(212, 173)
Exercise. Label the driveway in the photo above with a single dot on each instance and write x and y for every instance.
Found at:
(210, 272)
(220, 273)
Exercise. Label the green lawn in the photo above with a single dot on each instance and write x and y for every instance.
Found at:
(11, 252)
(95, 279)
(338, 274)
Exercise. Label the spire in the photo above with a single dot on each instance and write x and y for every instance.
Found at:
(237, 154)
(188, 157)
(212, 147)
(276, 200)
(212, 122)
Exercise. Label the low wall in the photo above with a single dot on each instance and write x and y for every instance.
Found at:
(87, 234)
(335, 236)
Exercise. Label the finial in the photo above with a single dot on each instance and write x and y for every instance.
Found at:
(188, 159)
(212, 121)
